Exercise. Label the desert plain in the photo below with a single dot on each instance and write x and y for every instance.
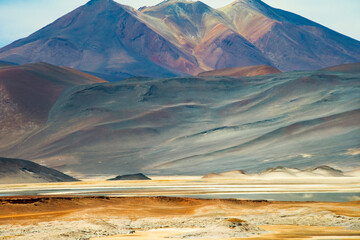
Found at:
(183, 208)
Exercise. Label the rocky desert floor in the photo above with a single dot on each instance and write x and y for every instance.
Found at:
(64, 216)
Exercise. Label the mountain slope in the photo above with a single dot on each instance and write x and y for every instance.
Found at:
(115, 42)
(27, 93)
(290, 41)
(223, 48)
(22, 171)
(200, 125)
(5, 64)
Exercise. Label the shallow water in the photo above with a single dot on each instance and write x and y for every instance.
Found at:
(193, 192)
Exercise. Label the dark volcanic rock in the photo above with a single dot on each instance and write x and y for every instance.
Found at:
(137, 176)
(22, 171)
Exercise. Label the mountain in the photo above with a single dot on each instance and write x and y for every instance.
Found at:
(197, 125)
(22, 171)
(242, 71)
(27, 93)
(180, 38)
(103, 37)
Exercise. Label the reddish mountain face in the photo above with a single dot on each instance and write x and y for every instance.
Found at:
(179, 37)
(27, 93)
(204, 32)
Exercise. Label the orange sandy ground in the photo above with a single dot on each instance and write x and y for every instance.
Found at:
(30, 210)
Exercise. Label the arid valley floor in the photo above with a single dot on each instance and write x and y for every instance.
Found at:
(182, 208)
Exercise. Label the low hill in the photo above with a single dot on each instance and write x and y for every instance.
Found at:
(27, 93)
(348, 68)
(22, 171)
(229, 174)
(320, 171)
(355, 173)
(242, 71)
(325, 171)
(137, 176)
(280, 172)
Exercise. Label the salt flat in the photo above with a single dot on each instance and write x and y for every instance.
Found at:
(339, 189)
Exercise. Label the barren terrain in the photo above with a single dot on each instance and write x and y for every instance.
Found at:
(142, 215)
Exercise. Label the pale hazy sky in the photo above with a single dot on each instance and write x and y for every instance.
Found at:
(19, 18)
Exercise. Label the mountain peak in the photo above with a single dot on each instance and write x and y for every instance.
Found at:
(101, 5)
(250, 2)
(178, 7)
(255, 4)
(176, 2)
(96, 2)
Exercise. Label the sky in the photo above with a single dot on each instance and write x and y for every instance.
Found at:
(20, 18)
